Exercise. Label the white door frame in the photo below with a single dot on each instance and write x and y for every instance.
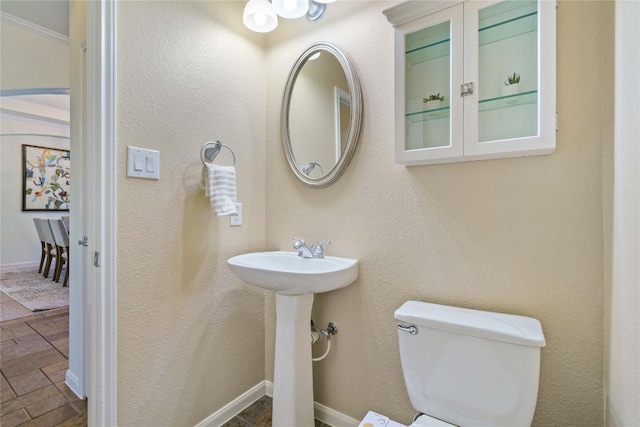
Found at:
(77, 374)
(101, 292)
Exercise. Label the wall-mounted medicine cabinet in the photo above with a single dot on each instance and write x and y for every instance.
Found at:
(474, 80)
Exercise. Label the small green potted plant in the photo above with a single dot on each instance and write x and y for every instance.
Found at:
(511, 85)
(433, 101)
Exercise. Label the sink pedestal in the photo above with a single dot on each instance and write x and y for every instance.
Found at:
(295, 280)
(293, 374)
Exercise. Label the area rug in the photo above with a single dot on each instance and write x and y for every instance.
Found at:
(33, 291)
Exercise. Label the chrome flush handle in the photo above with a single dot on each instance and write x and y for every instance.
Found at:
(411, 329)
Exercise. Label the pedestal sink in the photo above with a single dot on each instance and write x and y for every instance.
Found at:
(295, 280)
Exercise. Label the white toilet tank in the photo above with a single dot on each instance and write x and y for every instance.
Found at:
(470, 367)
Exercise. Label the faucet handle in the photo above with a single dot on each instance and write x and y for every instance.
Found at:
(297, 243)
(318, 252)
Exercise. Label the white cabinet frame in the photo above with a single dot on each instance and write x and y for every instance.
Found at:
(465, 144)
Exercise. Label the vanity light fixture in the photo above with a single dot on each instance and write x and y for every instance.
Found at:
(316, 10)
(262, 15)
(259, 16)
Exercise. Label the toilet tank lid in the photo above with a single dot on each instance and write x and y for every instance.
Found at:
(509, 328)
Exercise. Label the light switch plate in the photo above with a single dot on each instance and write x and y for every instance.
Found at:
(143, 163)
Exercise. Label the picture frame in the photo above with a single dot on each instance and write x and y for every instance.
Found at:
(46, 178)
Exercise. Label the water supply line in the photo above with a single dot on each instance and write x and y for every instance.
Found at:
(331, 329)
(317, 359)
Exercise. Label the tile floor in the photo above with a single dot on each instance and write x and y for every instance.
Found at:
(258, 415)
(34, 353)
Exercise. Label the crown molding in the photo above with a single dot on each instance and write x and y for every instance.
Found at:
(7, 18)
(408, 11)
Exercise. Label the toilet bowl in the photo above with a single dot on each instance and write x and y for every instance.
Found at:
(466, 367)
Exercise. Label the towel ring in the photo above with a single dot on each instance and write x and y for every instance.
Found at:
(210, 151)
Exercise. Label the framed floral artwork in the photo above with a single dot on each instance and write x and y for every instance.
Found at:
(46, 178)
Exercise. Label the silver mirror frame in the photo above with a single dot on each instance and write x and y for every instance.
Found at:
(355, 118)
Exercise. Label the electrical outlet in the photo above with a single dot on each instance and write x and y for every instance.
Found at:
(236, 220)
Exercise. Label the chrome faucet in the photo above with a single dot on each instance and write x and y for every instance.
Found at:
(318, 252)
(305, 251)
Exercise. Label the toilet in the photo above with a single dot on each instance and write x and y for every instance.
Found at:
(466, 367)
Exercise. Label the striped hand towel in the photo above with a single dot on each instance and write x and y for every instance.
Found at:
(220, 188)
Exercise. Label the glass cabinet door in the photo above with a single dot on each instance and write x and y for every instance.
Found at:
(427, 100)
(432, 112)
(508, 71)
(505, 37)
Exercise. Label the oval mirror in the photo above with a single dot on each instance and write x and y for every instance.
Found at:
(321, 114)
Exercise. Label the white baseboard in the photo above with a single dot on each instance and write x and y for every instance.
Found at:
(333, 418)
(233, 408)
(73, 382)
(18, 265)
(323, 413)
(239, 404)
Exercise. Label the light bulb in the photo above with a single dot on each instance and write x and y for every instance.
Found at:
(289, 5)
(260, 19)
(259, 16)
(290, 9)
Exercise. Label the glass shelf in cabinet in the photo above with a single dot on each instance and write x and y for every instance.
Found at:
(526, 21)
(427, 115)
(508, 101)
(428, 52)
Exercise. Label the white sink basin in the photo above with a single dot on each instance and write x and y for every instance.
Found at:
(288, 274)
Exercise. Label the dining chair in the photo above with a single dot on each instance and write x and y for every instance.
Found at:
(50, 244)
(43, 245)
(61, 238)
(65, 219)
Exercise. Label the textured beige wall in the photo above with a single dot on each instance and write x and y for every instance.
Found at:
(517, 235)
(24, 57)
(520, 235)
(190, 335)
